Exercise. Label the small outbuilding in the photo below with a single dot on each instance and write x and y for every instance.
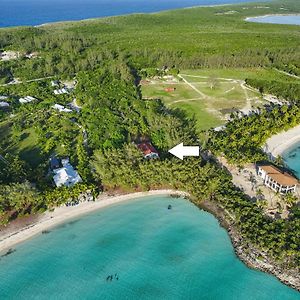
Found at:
(55, 163)
(170, 89)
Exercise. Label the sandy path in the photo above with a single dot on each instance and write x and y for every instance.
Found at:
(278, 143)
(193, 87)
(63, 213)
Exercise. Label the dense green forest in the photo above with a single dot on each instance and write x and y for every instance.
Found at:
(107, 58)
(189, 38)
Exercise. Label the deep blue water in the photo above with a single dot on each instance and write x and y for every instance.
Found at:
(35, 12)
(155, 253)
(292, 158)
(276, 19)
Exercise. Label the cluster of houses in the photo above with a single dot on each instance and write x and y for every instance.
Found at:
(277, 180)
(64, 173)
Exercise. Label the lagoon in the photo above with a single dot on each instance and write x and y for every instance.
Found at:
(150, 251)
(277, 19)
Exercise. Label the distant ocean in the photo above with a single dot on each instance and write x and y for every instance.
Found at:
(136, 250)
(36, 12)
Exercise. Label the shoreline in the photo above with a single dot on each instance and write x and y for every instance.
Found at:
(279, 143)
(254, 259)
(50, 23)
(247, 253)
(123, 15)
(62, 214)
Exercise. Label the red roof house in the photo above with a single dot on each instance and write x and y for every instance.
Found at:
(148, 150)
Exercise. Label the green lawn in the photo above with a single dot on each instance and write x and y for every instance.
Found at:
(197, 109)
(28, 149)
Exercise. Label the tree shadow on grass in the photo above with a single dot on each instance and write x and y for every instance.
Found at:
(32, 155)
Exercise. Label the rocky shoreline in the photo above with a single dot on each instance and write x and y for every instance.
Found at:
(248, 254)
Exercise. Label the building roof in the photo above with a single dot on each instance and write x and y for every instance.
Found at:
(27, 99)
(61, 108)
(280, 177)
(61, 91)
(54, 163)
(4, 104)
(66, 176)
(147, 148)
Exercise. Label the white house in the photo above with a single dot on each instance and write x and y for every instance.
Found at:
(61, 91)
(4, 104)
(27, 99)
(66, 175)
(277, 180)
(61, 108)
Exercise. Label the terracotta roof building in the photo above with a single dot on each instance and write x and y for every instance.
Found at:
(277, 180)
(148, 150)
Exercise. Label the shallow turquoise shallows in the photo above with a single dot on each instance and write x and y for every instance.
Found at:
(150, 251)
(291, 158)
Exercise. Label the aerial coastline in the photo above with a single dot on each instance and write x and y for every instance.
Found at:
(106, 11)
(63, 213)
(115, 162)
(279, 143)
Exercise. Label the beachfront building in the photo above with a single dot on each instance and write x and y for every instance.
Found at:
(148, 150)
(277, 180)
(27, 99)
(67, 175)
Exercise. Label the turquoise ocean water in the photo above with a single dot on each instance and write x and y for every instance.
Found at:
(35, 12)
(155, 253)
(291, 158)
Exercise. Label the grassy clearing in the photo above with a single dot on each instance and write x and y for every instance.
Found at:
(223, 91)
(157, 91)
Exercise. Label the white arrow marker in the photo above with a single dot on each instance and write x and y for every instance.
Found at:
(180, 151)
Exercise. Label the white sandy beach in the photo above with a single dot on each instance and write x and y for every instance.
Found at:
(280, 142)
(64, 213)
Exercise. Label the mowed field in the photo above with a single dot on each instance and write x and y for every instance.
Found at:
(209, 95)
